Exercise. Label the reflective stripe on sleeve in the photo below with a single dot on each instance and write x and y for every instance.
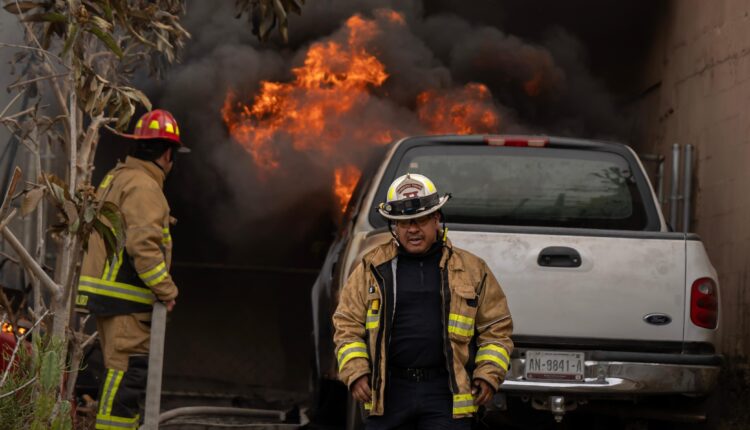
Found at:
(117, 290)
(166, 235)
(495, 354)
(460, 325)
(107, 180)
(155, 275)
(373, 320)
(352, 350)
(463, 404)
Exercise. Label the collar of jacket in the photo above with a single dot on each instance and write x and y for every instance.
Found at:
(150, 168)
(388, 251)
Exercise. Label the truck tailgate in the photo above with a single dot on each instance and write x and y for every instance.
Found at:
(618, 283)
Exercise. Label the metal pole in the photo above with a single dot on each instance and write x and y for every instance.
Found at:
(155, 363)
(674, 186)
(687, 172)
(660, 180)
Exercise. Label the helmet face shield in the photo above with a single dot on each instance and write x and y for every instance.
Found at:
(412, 206)
(411, 196)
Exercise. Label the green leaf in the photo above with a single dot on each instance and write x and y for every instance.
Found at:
(107, 39)
(73, 30)
(58, 193)
(88, 214)
(62, 421)
(110, 241)
(31, 200)
(139, 96)
(49, 374)
(112, 213)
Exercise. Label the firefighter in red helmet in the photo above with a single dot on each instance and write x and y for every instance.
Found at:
(120, 291)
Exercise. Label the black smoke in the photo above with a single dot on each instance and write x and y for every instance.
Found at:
(540, 76)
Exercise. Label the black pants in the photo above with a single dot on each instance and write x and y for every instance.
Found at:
(122, 394)
(423, 405)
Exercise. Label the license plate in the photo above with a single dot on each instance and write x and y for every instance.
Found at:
(554, 365)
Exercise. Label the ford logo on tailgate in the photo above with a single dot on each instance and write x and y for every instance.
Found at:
(658, 319)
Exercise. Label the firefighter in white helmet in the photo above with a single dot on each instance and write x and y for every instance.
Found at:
(408, 315)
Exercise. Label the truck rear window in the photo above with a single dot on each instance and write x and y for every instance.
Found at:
(546, 187)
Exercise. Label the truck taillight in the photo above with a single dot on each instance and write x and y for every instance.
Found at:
(704, 303)
(536, 142)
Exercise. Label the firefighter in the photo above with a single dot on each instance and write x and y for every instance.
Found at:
(408, 315)
(120, 291)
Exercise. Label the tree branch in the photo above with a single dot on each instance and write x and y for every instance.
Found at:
(37, 79)
(25, 384)
(11, 103)
(29, 263)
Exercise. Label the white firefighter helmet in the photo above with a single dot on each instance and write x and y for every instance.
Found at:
(411, 196)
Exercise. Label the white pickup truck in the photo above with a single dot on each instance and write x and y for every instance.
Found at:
(613, 311)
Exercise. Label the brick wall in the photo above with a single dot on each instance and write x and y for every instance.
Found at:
(699, 69)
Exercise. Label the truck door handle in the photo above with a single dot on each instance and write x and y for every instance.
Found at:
(559, 256)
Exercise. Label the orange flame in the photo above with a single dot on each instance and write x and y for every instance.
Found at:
(311, 112)
(332, 81)
(345, 179)
(464, 111)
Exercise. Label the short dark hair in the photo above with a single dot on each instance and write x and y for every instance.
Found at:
(150, 150)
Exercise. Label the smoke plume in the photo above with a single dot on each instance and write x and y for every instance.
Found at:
(445, 74)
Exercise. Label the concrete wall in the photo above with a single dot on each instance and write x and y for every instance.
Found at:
(699, 75)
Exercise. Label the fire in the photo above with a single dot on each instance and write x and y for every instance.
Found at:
(323, 110)
(463, 111)
(332, 82)
(345, 179)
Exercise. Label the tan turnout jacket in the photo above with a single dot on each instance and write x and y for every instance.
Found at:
(140, 273)
(475, 310)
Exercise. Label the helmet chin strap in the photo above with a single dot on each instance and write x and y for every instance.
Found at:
(393, 232)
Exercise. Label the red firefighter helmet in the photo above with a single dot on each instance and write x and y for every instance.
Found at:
(158, 124)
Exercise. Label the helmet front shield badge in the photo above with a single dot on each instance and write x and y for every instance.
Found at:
(411, 196)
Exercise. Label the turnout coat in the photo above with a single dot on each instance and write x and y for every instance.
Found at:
(476, 324)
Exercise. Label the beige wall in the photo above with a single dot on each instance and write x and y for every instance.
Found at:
(701, 58)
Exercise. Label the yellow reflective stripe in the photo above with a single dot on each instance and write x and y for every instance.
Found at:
(114, 267)
(368, 406)
(153, 271)
(110, 422)
(111, 384)
(168, 127)
(139, 124)
(117, 290)
(166, 236)
(494, 354)
(155, 275)
(463, 404)
(153, 125)
(352, 350)
(106, 391)
(461, 319)
(106, 181)
(373, 320)
(460, 325)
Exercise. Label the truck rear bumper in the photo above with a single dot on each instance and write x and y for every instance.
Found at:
(678, 375)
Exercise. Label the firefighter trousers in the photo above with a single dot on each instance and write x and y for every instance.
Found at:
(122, 395)
(417, 405)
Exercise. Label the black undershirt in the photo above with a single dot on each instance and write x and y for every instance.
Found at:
(416, 336)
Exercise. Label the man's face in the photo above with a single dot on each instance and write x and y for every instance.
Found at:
(419, 234)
